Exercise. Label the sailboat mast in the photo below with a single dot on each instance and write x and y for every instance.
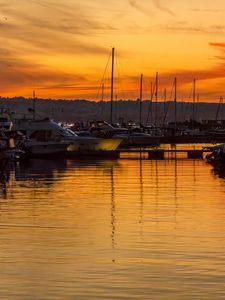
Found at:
(156, 98)
(102, 97)
(164, 106)
(194, 96)
(218, 108)
(112, 83)
(175, 103)
(151, 102)
(140, 111)
(34, 108)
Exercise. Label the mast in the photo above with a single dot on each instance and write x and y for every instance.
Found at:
(218, 108)
(165, 95)
(151, 102)
(175, 103)
(112, 83)
(156, 98)
(140, 99)
(34, 108)
(102, 97)
(194, 96)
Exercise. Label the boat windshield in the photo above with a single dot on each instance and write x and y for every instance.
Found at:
(70, 132)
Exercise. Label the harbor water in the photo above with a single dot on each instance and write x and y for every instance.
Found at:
(112, 229)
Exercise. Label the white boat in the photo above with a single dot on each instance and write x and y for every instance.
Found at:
(45, 148)
(46, 133)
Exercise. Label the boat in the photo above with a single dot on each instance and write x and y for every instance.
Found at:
(131, 136)
(47, 137)
(7, 151)
(217, 155)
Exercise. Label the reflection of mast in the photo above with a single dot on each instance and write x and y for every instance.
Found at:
(112, 208)
(175, 188)
(141, 193)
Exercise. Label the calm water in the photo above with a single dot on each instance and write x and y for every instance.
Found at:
(124, 229)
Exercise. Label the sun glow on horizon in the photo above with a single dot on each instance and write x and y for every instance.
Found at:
(61, 49)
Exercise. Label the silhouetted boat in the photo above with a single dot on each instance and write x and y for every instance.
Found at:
(46, 137)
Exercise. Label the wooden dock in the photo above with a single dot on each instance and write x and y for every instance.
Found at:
(144, 153)
(160, 154)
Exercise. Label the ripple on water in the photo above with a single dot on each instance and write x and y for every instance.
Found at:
(125, 229)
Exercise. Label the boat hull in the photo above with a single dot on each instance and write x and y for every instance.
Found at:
(94, 144)
(42, 149)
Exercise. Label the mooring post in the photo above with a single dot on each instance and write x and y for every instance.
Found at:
(195, 154)
(156, 154)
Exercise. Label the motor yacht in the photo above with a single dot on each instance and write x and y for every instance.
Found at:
(46, 136)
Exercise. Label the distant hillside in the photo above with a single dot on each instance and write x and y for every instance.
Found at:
(83, 110)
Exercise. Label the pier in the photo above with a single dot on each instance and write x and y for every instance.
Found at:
(160, 153)
(145, 153)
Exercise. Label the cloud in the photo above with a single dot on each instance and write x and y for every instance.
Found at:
(207, 10)
(218, 45)
(161, 7)
(185, 28)
(49, 26)
(157, 3)
(135, 4)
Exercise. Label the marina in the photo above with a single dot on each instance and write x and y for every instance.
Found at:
(112, 158)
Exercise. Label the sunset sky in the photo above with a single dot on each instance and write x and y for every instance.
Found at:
(61, 48)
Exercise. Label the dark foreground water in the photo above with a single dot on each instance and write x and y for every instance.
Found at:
(125, 229)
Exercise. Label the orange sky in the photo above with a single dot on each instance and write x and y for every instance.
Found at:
(61, 48)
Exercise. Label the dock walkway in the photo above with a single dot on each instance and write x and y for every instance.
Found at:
(158, 154)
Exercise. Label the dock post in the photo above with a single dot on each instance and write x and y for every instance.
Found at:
(156, 154)
(191, 154)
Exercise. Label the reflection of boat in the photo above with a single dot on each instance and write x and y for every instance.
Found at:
(39, 168)
(47, 130)
(6, 144)
(219, 170)
(217, 156)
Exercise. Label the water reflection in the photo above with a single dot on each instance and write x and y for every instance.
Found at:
(126, 229)
(219, 170)
(38, 169)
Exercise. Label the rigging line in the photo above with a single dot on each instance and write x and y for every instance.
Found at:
(134, 71)
(145, 88)
(150, 104)
(188, 108)
(119, 77)
(120, 69)
(168, 104)
(103, 77)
